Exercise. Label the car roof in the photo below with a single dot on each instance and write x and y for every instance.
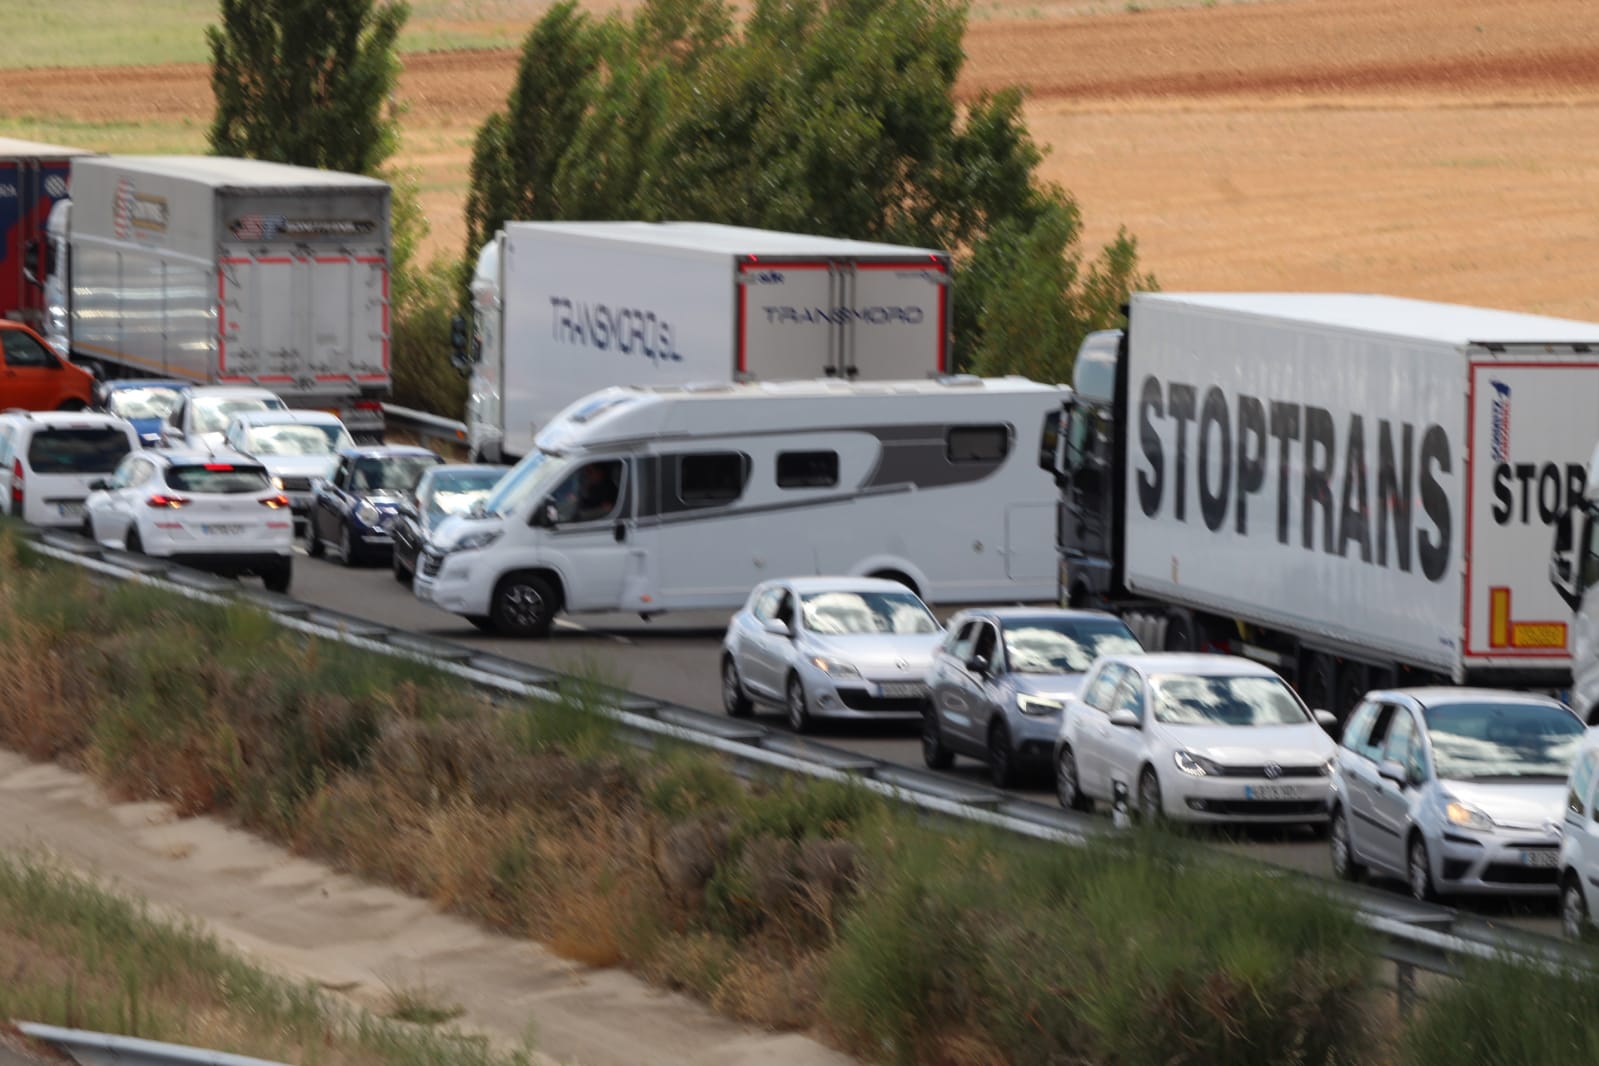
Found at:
(1434, 695)
(286, 416)
(842, 583)
(144, 383)
(251, 391)
(61, 418)
(383, 451)
(462, 468)
(1201, 664)
(1012, 614)
(194, 455)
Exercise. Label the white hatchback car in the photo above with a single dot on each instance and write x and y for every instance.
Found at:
(48, 460)
(1199, 738)
(833, 647)
(213, 511)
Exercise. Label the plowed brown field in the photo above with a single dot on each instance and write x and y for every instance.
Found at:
(1438, 148)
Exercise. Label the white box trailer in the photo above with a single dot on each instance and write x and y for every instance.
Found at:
(1359, 489)
(228, 272)
(562, 309)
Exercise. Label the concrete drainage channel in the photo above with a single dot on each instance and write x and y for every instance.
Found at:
(1413, 936)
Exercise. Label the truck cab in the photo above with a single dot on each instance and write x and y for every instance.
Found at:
(1574, 571)
(1087, 466)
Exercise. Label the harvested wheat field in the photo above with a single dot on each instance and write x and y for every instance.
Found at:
(1446, 149)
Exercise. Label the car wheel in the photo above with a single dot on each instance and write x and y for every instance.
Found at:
(523, 606)
(347, 545)
(734, 701)
(1001, 756)
(402, 573)
(313, 543)
(1420, 871)
(799, 711)
(1573, 910)
(87, 530)
(1344, 865)
(131, 543)
(71, 404)
(934, 754)
(1067, 788)
(1151, 810)
(278, 577)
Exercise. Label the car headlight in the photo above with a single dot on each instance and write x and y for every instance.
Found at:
(476, 541)
(366, 514)
(834, 668)
(1195, 765)
(1467, 816)
(1038, 705)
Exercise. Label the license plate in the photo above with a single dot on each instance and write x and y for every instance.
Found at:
(1272, 792)
(70, 510)
(1540, 858)
(222, 531)
(900, 692)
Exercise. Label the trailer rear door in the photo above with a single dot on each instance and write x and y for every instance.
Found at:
(340, 345)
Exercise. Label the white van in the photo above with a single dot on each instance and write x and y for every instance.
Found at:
(656, 499)
(49, 458)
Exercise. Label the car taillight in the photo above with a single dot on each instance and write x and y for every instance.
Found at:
(16, 482)
(368, 405)
(275, 502)
(159, 501)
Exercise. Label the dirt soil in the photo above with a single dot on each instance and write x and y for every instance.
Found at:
(361, 940)
(1446, 149)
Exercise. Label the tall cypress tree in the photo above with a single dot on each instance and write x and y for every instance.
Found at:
(306, 81)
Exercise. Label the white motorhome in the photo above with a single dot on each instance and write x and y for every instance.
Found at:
(651, 500)
(1574, 570)
(563, 309)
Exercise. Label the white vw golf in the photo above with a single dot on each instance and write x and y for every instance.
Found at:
(214, 511)
(1195, 738)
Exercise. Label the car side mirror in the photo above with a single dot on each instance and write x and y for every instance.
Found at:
(1124, 718)
(778, 628)
(547, 517)
(1562, 557)
(1326, 719)
(1389, 770)
(99, 484)
(978, 664)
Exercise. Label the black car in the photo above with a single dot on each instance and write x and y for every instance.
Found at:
(444, 490)
(352, 513)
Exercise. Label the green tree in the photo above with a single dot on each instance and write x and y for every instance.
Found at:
(307, 82)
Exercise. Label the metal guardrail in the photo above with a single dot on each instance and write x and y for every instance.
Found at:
(1413, 936)
(103, 1049)
(428, 429)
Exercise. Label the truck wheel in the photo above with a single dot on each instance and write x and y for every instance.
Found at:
(895, 575)
(524, 605)
(1318, 680)
(1180, 631)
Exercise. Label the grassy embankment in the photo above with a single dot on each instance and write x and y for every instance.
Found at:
(791, 904)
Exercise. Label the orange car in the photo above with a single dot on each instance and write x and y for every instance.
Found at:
(37, 379)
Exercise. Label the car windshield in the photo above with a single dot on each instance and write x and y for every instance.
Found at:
(391, 474)
(849, 613)
(1478, 740)
(1047, 645)
(1251, 700)
(297, 438)
(456, 493)
(526, 480)
(222, 478)
(213, 413)
(143, 402)
(88, 450)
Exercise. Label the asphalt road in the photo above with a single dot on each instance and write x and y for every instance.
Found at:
(676, 658)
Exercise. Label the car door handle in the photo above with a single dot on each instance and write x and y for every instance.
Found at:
(619, 531)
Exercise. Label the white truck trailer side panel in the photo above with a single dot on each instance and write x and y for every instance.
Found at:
(583, 314)
(1301, 475)
(1532, 423)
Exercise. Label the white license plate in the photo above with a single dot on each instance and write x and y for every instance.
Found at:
(900, 692)
(1540, 858)
(222, 530)
(1272, 792)
(70, 510)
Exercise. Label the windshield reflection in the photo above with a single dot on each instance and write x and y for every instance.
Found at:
(1471, 741)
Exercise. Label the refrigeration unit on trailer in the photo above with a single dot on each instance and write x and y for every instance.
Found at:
(652, 500)
(33, 177)
(561, 309)
(1356, 489)
(228, 272)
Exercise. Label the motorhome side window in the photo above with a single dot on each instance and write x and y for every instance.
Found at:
(977, 444)
(710, 479)
(807, 470)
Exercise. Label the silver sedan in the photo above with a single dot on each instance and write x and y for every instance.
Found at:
(830, 647)
(1454, 790)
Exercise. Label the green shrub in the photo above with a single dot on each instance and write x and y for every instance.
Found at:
(1501, 1014)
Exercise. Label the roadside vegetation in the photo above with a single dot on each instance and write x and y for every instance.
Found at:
(797, 905)
(79, 956)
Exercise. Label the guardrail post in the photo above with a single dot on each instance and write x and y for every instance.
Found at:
(1405, 988)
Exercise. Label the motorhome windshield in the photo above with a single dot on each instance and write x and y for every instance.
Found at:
(526, 481)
